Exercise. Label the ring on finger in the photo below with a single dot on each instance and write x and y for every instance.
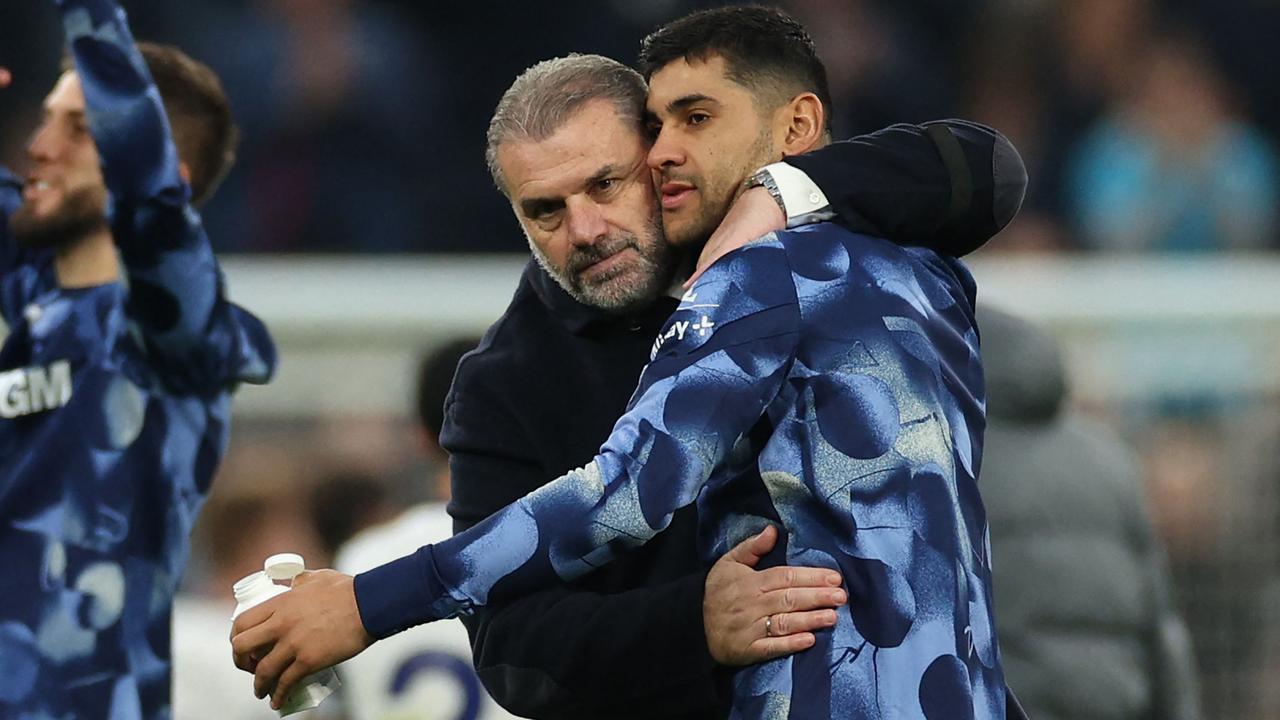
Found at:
(768, 626)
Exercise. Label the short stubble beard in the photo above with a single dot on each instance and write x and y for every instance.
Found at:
(81, 213)
(713, 210)
(625, 289)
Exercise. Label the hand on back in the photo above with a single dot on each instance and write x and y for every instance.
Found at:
(754, 615)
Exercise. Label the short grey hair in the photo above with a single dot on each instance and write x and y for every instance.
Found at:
(548, 94)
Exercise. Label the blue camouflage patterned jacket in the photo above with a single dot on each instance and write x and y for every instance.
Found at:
(114, 410)
(821, 380)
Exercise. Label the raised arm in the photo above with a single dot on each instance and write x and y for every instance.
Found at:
(200, 342)
(948, 185)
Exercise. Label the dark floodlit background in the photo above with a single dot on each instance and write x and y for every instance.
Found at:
(1147, 243)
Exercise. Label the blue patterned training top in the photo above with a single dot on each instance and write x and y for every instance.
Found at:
(821, 380)
(114, 410)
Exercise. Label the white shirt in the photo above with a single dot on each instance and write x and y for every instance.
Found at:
(424, 673)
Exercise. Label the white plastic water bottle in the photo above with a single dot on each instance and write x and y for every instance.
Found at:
(258, 588)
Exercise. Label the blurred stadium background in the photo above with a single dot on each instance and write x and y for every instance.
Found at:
(361, 224)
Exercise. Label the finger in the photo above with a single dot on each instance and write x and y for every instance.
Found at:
(250, 646)
(801, 622)
(247, 662)
(288, 679)
(799, 599)
(775, 647)
(787, 576)
(270, 668)
(749, 551)
(252, 617)
(6, 77)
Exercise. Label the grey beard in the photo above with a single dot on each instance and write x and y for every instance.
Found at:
(647, 286)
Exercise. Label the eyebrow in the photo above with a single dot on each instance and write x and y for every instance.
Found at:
(530, 206)
(685, 101)
(601, 174)
(72, 114)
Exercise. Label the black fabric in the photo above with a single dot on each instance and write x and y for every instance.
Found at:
(895, 184)
(541, 394)
(961, 175)
(536, 399)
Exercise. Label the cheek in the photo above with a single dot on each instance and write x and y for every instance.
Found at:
(87, 166)
(552, 245)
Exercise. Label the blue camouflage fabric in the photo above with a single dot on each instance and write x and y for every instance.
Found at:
(821, 380)
(114, 410)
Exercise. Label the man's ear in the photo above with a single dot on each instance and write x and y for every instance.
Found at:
(802, 122)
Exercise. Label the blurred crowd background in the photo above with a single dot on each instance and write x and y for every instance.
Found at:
(1148, 125)
(1147, 243)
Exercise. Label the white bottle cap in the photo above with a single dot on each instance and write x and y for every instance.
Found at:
(284, 566)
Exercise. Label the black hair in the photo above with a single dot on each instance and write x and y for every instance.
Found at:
(435, 376)
(764, 49)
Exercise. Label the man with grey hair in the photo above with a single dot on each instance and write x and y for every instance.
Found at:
(538, 105)
(576, 335)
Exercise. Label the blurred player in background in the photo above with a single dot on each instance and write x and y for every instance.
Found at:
(116, 375)
(424, 673)
(575, 185)
(243, 525)
(1087, 624)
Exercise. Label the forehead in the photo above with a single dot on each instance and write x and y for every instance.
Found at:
(66, 95)
(681, 80)
(593, 138)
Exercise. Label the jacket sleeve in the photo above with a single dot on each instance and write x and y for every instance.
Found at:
(199, 341)
(724, 356)
(948, 185)
(563, 651)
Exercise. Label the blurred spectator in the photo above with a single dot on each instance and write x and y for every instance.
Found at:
(1212, 474)
(1173, 167)
(1006, 90)
(338, 103)
(243, 528)
(1086, 623)
(426, 672)
(879, 72)
(435, 377)
(343, 504)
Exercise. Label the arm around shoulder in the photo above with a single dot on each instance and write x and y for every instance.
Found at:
(948, 185)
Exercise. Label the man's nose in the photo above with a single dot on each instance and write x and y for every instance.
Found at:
(43, 145)
(586, 222)
(665, 151)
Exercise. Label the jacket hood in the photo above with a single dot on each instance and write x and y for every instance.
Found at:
(1025, 377)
